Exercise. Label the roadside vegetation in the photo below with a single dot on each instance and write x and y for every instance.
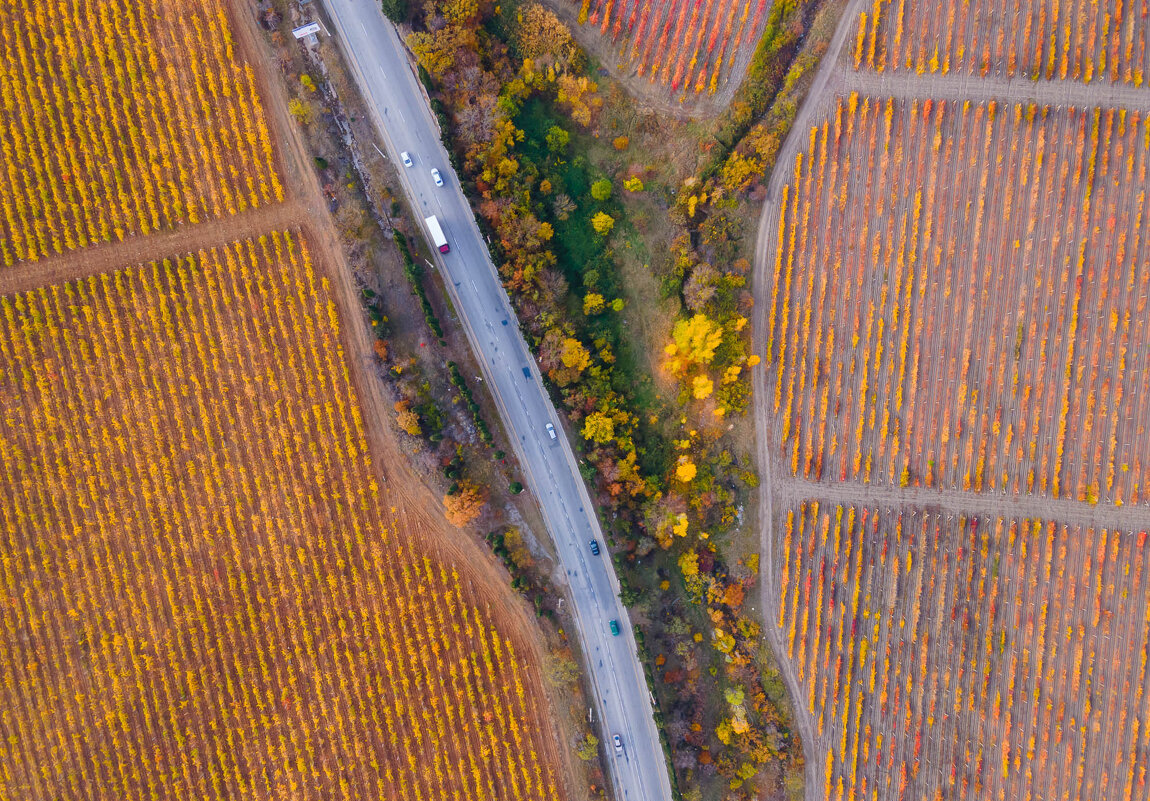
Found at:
(627, 263)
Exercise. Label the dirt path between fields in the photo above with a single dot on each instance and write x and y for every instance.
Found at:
(791, 491)
(73, 264)
(768, 224)
(902, 86)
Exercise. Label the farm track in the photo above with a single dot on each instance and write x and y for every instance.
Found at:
(71, 265)
(768, 226)
(957, 88)
(790, 491)
(778, 488)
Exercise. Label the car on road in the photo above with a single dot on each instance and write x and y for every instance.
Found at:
(618, 744)
(406, 158)
(551, 431)
(595, 547)
(435, 176)
(615, 627)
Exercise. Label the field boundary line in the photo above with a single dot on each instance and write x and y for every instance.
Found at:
(971, 504)
(71, 265)
(956, 88)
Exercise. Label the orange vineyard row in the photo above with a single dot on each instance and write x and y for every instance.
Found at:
(1092, 41)
(201, 592)
(123, 118)
(947, 657)
(959, 292)
(685, 44)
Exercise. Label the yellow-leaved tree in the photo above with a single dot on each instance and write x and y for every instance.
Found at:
(685, 471)
(702, 387)
(408, 420)
(574, 355)
(579, 94)
(599, 427)
(695, 339)
(602, 222)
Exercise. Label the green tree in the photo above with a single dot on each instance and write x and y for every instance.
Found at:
(601, 189)
(395, 10)
(557, 139)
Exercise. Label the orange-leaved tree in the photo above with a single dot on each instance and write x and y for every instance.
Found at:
(465, 505)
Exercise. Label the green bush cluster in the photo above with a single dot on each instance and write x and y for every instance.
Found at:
(472, 405)
(521, 581)
(414, 273)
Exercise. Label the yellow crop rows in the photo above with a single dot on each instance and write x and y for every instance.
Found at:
(123, 117)
(1084, 40)
(946, 657)
(202, 594)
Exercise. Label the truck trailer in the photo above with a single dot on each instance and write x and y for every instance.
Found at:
(437, 234)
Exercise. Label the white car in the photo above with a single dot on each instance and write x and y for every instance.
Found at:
(551, 431)
(406, 158)
(435, 176)
(618, 744)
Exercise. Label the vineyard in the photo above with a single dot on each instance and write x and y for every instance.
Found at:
(1051, 39)
(123, 118)
(201, 593)
(946, 657)
(958, 300)
(688, 45)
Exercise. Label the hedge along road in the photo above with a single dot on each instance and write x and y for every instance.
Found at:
(400, 111)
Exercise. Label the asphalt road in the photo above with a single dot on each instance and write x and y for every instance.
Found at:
(393, 94)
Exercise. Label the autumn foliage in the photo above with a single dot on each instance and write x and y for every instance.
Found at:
(465, 505)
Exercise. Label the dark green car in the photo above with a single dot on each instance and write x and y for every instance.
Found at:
(615, 627)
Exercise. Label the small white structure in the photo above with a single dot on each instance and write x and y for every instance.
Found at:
(311, 29)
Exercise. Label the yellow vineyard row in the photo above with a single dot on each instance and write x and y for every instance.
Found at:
(202, 593)
(123, 118)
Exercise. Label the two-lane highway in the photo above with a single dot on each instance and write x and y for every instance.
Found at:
(393, 95)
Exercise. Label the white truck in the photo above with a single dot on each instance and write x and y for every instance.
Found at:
(437, 234)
